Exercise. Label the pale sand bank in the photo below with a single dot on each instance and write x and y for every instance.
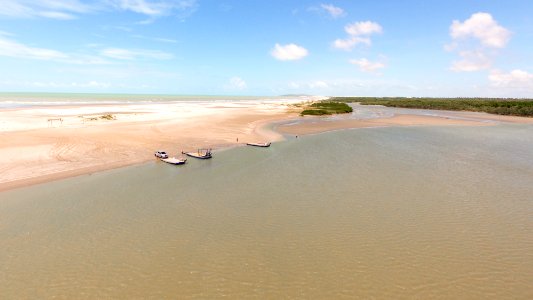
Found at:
(33, 150)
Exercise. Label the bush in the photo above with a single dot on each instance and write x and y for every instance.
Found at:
(326, 108)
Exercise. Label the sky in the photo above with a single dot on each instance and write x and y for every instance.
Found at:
(410, 48)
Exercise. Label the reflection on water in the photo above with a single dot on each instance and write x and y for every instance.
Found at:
(383, 213)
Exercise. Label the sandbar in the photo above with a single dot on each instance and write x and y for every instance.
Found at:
(34, 149)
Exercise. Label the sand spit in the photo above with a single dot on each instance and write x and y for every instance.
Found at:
(83, 139)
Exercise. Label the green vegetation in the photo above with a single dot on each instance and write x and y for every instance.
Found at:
(108, 117)
(500, 106)
(326, 108)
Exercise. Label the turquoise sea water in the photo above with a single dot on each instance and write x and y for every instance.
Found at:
(419, 212)
(14, 100)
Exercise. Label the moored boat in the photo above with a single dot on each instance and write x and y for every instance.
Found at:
(259, 144)
(174, 161)
(201, 154)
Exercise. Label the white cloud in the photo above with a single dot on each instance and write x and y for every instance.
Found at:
(471, 61)
(14, 49)
(367, 66)
(12, 8)
(52, 84)
(52, 9)
(142, 7)
(513, 79)
(57, 15)
(70, 9)
(11, 48)
(349, 43)
(359, 33)
(333, 11)
(363, 28)
(156, 39)
(237, 83)
(476, 41)
(126, 54)
(481, 26)
(156, 8)
(5, 33)
(288, 52)
(63, 5)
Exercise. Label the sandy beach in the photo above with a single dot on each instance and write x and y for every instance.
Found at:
(80, 140)
(34, 150)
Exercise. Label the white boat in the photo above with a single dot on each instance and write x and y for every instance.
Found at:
(259, 144)
(201, 154)
(174, 161)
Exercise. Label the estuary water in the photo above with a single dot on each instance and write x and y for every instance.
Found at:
(401, 213)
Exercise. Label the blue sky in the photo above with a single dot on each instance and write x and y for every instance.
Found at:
(361, 48)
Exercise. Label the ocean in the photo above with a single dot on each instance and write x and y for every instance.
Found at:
(401, 213)
(24, 100)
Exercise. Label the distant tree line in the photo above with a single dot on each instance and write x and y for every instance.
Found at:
(500, 106)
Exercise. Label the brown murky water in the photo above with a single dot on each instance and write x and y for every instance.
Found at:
(369, 213)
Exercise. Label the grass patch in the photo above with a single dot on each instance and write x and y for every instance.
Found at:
(326, 108)
(500, 106)
(108, 117)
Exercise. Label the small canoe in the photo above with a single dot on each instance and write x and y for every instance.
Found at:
(201, 154)
(174, 161)
(259, 144)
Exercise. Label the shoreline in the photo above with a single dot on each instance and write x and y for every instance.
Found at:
(39, 155)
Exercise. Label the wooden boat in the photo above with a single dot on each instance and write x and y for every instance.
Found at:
(174, 161)
(201, 154)
(259, 144)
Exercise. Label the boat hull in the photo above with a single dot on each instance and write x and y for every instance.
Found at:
(174, 161)
(262, 145)
(197, 155)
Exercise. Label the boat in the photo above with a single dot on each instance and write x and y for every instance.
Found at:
(259, 144)
(174, 161)
(201, 154)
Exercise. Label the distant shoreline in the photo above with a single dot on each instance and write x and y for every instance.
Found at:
(521, 107)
